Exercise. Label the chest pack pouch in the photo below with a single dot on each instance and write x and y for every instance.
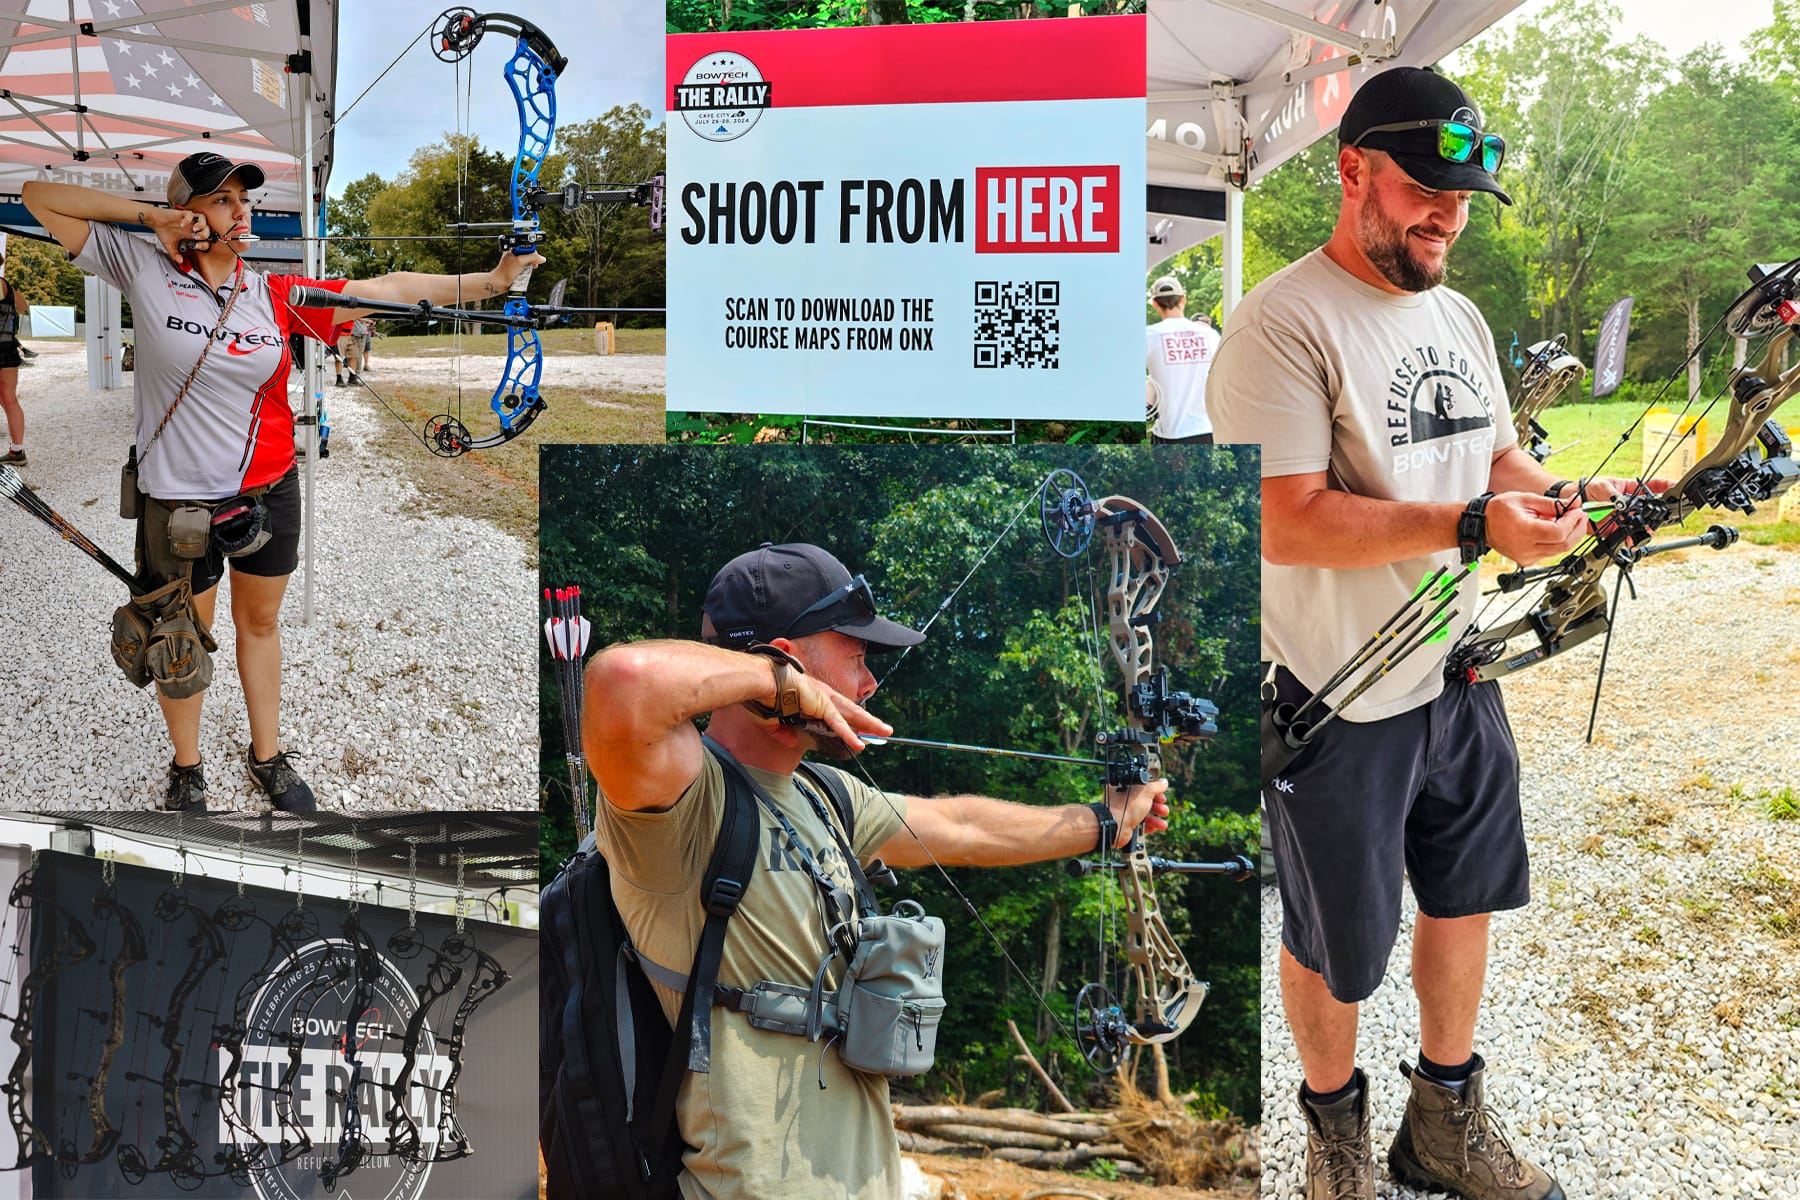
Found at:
(890, 1000)
(884, 1014)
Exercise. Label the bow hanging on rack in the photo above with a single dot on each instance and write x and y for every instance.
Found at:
(531, 73)
(26, 909)
(1162, 993)
(178, 1146)
(132, 950)
(456, 958)
(287, 939)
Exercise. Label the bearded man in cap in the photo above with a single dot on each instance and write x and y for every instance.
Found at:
(1388, 453)
(782, 669)
(1179, 354)
(214, 429)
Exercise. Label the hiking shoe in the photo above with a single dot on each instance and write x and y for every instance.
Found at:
(1452, 1143)
(354, 379)
(13, 458)
(340, 381)
(1339, 1165)
(187, 788)
(286, 790)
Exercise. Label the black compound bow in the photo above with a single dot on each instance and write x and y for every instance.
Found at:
(132, 950)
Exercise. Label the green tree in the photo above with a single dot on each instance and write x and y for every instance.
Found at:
(618, 258)
(1684, 243)
(1567, 107)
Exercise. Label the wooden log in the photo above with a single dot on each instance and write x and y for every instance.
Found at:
(926, 1117)
(977, 1135)
(918, 1143)
(1063, 1160)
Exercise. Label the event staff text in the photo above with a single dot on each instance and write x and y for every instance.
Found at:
(1017, 209)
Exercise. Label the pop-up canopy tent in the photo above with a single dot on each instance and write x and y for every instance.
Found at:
(1238, 87)
(113, 93)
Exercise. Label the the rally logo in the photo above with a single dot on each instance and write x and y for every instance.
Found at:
(304, 1008)
(722, 96)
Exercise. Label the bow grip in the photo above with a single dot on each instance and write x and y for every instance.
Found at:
(312, 297)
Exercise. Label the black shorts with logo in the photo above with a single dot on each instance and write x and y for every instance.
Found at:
(1431, 795)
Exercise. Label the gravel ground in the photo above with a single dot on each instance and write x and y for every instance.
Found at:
(614, 372)
(415, 688)
(1641, 1020)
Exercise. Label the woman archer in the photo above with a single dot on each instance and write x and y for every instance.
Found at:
(214, 445)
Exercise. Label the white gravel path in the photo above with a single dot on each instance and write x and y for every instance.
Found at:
(1642, 1016)
(415, 688)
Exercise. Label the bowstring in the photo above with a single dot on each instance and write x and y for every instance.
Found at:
(1664, 452)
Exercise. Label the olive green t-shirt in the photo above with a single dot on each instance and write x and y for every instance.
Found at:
(759, 1125)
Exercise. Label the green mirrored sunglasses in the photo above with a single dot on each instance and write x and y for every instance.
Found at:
(1458, 141)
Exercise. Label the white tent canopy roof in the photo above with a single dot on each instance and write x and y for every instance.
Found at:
(113, 93)
(1238, 87)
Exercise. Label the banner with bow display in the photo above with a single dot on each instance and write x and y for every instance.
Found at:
(909, 220)
(187, 1035)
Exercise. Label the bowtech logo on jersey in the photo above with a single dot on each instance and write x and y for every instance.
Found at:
(1007, 210)
(248, 341)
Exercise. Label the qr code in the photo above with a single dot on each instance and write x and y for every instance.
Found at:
(1016, 324)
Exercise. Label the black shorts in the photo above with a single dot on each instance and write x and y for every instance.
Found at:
(1432, 794)
(278, 556)
(1199, 439)
(9, 355)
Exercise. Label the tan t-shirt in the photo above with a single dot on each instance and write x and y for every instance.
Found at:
(759, 1124)
(1395, 397)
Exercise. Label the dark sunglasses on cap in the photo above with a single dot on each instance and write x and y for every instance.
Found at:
(1457, 141)
(857, 589)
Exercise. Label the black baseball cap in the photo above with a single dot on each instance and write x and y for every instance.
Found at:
(200, 174)
(791, 591)
(1416, 94)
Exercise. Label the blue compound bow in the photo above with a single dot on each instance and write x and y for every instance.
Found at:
(531, 74)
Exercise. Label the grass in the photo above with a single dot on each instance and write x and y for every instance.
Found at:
(1586, 433)
(500, 485)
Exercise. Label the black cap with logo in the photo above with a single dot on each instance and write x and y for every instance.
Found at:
(1416, 94)
(791, 591)
(206, 172)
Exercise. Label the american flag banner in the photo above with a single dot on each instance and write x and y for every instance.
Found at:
(113, 93)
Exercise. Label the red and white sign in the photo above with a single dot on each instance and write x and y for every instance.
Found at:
(913, 220)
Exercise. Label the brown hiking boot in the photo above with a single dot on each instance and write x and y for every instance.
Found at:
(1453, 1144)
(1339, 1165)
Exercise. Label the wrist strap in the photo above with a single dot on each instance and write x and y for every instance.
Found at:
(1109, 828)
(1471, 529)
(786, 708)
(1554, 491)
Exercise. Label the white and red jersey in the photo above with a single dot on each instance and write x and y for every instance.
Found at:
(1180, 354)
(235, 428)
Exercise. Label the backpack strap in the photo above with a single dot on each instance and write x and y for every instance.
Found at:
(728, 874)
(832, 784)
